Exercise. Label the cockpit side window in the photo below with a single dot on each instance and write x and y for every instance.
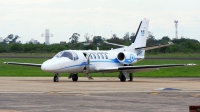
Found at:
(67, 55)
(75, 56)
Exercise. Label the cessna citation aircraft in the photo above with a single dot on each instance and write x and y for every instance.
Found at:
(114, 60)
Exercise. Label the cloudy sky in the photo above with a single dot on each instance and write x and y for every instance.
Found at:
(30, 18)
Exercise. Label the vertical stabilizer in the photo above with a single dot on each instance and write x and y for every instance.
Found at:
(141, 34)
(140, 39)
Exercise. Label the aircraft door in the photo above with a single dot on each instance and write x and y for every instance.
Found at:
(88, 66)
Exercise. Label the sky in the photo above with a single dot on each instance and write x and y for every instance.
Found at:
(30, 18)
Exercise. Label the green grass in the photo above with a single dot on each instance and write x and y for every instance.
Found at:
(15, 71)
(187, 71)
(175, 55)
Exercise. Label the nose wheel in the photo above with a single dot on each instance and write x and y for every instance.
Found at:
(56, 77)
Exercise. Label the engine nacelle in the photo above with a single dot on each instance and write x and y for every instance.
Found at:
(126, 57)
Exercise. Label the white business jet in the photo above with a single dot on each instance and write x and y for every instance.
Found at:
(114, 60)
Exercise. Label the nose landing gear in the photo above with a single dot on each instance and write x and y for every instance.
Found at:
(56, 78)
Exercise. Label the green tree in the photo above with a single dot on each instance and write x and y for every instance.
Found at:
(126, 36)
(74, 38)
(97, 39)
(151, 39)
(16, 48)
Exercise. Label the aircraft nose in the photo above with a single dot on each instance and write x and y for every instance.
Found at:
(47, 66)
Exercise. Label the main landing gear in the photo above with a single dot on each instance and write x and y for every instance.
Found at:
(74, 77)
(131, 76)
(56, 77)
(123, 76)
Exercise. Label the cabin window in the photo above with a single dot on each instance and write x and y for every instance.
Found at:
(94, 56)
(91, 57)
(98, 56)
(102, 56)
(106, 56)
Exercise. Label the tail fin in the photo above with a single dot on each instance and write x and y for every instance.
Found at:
(141, 34)
(140, 38)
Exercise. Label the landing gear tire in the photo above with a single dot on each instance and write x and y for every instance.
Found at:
(75, 77)
(122, 78)
(56, 78)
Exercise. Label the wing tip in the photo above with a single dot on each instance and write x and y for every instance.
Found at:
(191, 64)
(170, 43)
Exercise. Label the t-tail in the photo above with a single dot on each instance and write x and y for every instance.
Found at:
(140, 39)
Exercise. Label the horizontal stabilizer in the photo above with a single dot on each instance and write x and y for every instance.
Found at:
(114, 44)
(23, 64)
(156, 46)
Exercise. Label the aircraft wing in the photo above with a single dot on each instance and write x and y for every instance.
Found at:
(140, 67)
(24, 64)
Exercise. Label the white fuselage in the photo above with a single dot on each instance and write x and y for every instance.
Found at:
(79, 60)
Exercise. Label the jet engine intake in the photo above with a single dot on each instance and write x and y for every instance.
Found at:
(121, 57)
(125, 57)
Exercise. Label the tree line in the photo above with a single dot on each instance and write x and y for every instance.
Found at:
(181, 45)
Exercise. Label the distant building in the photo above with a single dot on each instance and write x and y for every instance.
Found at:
(47, 35)
(1, 39)
(32, 41)
(86, 43)
(63, 42)
(35, 42)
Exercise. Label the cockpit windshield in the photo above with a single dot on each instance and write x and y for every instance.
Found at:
(67, 54)
(58, 54)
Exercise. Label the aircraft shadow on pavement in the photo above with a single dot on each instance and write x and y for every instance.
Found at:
(69, 81)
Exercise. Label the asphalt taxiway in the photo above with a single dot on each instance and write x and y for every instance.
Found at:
(36, 94)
